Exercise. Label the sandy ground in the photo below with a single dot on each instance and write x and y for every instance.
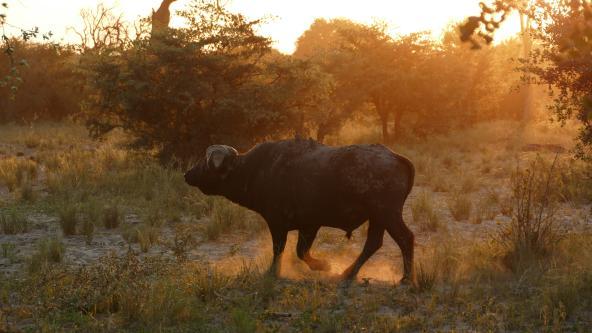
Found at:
(231, 252)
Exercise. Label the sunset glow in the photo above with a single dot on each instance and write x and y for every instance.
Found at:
(288, 19)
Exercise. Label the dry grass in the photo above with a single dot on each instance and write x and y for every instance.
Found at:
(111, 216)
(456, 278)
(224, 216)
(14, 172)
(463, 284)
(49, 251)
(424, 214)
(145, 235)
(460, 206)
(13, 222)
(68, 217)
(486, 208)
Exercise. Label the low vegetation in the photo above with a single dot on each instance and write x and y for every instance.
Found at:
(13, 222)
(460, 206)
(533, 232)
(49, 251)
(68, 216)
(163, 277)
(424, 214)
(154, 292)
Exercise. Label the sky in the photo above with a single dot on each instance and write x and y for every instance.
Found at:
(290, 18)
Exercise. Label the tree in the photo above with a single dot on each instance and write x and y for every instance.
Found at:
(367, 65)
(302, 91)
(214, 81)
(323, 45)
(101, 28)
(49, 87)
(563, 61)
(12, 78)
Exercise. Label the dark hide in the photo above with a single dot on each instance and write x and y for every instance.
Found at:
(303, 185)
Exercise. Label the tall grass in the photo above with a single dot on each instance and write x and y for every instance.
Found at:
(15, 171)
(49, 251)
(68, 217)
(424, 214)
(225, 216)
(13, 222)
(112, 216)
(460, 206)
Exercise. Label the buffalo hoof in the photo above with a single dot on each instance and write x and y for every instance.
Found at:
(273, 271)
(346, 278)
(318, 265)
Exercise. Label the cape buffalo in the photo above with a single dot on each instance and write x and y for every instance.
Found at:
(304, 185)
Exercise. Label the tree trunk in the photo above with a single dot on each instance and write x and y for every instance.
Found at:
(300, 127)
(321, 133)
(384, 121)
(526, 48)
(396, 134)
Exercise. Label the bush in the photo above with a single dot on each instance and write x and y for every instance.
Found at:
(206, 86)
(49, 86)
(533, 232)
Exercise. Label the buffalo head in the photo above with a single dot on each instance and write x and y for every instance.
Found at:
(211, 171)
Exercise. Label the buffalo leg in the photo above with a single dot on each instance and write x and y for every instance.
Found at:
(279, 243)
(405, 239)
(373, 243)
(305, 239)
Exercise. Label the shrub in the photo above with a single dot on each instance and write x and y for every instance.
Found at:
(533, 231)
(460, 206)
(49, 85)
(12, 222)
(214, 74)
(424, 214)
